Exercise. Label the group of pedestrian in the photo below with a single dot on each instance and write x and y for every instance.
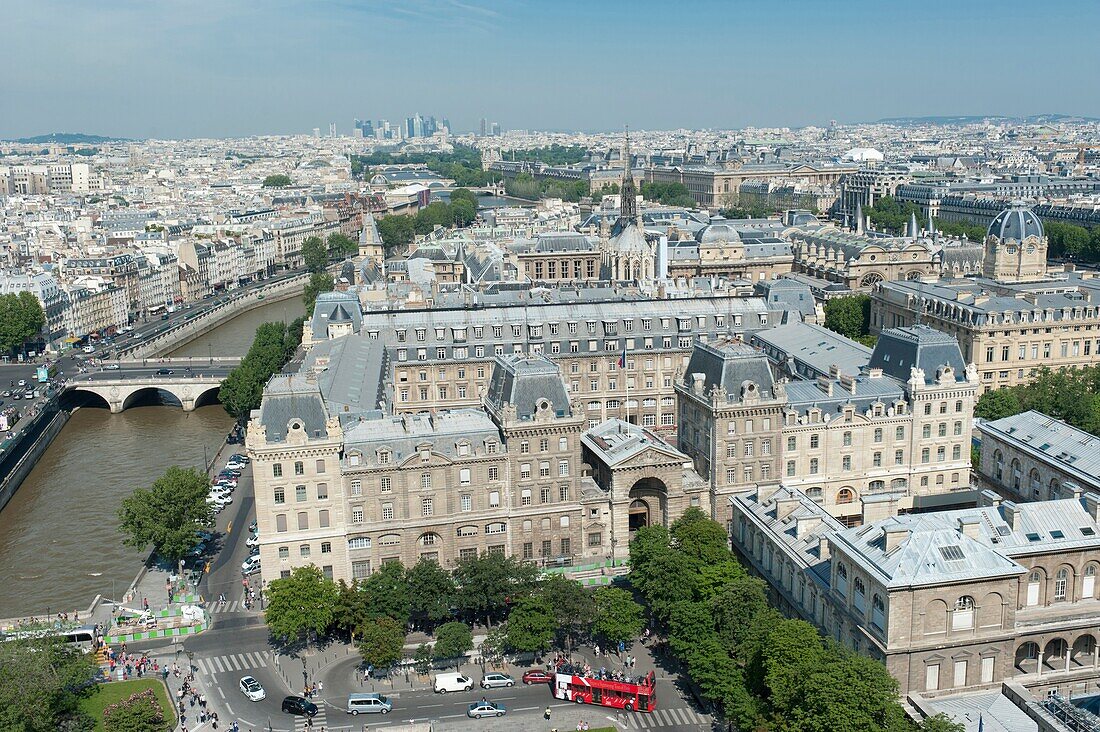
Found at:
(189, 698)
(131, 664)
(313, 689)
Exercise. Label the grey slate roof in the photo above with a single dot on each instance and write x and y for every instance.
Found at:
(291, 397)
(339, 307)
(898, 350)
(731, 364)
(808, 350)
(1065, 447)
(615, 441)
(524, 381)
(404, 434)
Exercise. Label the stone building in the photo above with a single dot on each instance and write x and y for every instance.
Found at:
(1033, 457)
(556, 257)
(858, 261)
(950, 601)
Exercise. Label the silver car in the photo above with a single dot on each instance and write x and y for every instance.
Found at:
(496, 681)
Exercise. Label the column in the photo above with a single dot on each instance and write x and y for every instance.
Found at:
(1095, 654)
(1068, 654)
(1039, 667)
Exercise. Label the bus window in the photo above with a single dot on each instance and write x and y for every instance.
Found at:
(596, 695)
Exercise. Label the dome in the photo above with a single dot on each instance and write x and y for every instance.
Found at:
(630, 241)
(1016, 222)
(719, 231)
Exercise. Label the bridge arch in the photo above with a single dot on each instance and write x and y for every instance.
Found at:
(83, 399)
(208, 396)
(149, 395)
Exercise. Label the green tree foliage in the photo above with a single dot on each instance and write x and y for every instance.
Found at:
(21, 318)
(973, 232)
(736, 609)
(674, 579)
(618, 616)
(531, 625)
(318, 282)
(272, 347)
(463, 164)
(846, 693)
(41, 681)
(305, 602)
(431, 592)
(573, 607)
(277, 181)
(1072, 395)
(381, 642)
(140, 712)
(340, 245)
(552, 155)
(743, 210)
(1069, 241)
(699, 537)
(168, 514)
(350, 609)
(387, 594)
(849, 316)
(941, 723)
(890, 215)
(525, 186)
(453, 640)
(485, 584)
(422, 659)
(495, 643)
(649, 542)
(670, 194)
(396, 231)
(315, 254)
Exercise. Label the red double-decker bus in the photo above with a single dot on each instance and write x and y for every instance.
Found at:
(640, 696)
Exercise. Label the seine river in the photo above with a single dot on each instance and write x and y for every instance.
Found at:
(59, 539)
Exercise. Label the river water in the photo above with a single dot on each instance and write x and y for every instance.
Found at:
(59, 539)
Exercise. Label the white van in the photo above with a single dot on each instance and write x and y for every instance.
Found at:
(452, 681)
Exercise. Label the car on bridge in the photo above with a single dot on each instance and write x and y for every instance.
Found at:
(165, 372)
(112, 367)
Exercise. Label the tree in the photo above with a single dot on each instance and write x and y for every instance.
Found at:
(701, 538)
(381, 642)
(486, 584)
(431, 592)
(648, 543)
(422, 659)
(618, 616)
(396, 232)
(340, 245)
(315, 254)
(572, 605)
(714, 578)
(350, 609)
(849, 316)
(688, 623)
(712, 669)
(846, 693)
(278, 180)
(168, 514)
(387, 593)
(271, 348)
(736, 609)
(140, 712)
(941, 723)
(318, 282)
(531, 625)
(793, 651)
(492, 647)
(302, 603)
(673, 578)
(997, 404)
(41, 680)
(21, 318)
(453, 640)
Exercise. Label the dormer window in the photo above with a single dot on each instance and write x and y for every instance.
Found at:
(463, 449)
(384, 457)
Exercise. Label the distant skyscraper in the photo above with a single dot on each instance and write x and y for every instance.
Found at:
(365, 126)
(495, 130)
(483, 127)
(447, 124)
(332, 129)
(316, 131)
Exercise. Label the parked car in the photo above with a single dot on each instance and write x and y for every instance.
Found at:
(536, 676)
(253, 540)
(234, 465)
(496, 681)
(254, 527)
(452, 681)
(299, 705)
(251, 566)
(252, 689)
(483, 708)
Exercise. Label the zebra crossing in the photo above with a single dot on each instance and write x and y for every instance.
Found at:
(226, 606)
(664, 718)
(301, 724)
(236, 663)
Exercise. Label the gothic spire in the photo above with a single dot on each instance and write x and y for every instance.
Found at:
(628, 202)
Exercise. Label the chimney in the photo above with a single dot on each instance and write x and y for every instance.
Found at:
(968, 527)
(805, 524)
(764, 493)
(989, 498)
(784, 506)
(823, 548)
(1069, 488)
(825, 384)
(1011, 512)
(834, 371)
(895, 536)
(1092, 505)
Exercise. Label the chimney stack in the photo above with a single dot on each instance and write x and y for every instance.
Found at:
(895, 536)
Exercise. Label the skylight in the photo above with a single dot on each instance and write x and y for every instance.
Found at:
(1056, 534)
(1033, 537)
(952, 553)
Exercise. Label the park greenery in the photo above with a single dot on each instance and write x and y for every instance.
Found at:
(669, 194)
(766, 672)
(138, 712)
(522, 610)
(742, 210)
(850, 316)
(169, 514)
(278, 180)
(271, 349)
(524, 185)
(1072, 395)
(317, 254)
(551, 155)
(462, 165)
(42, 684)
(397, 231)
(21, 318)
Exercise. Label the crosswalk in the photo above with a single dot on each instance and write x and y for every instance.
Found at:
(242, 663)
(226, 606)
(665, 718)
(317, 723)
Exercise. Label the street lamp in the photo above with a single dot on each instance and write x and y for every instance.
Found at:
(305, 675)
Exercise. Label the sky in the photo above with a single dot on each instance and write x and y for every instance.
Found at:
(225, 68)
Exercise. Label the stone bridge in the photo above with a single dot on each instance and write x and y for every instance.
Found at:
(172, 381)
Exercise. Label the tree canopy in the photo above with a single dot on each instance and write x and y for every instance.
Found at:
(302, 603)
(381, 642)
(41, 682)
(168, 514)
(850, 316)
(1072, 395)
(531, 625)
(488, 582)
(315, 254)
(670, 194)
(279, 180)
(618, 618)
(21, 318)
(271, 348)
(453, 640)
(140, 712)
(318, 282)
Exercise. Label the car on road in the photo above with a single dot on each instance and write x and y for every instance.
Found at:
(536, 676)
(254, 527)
(452, 681)
(252, 689)
(251, 566)
(368, 704)
(253, 540)
(112, 367)
(234, 465)
(299, 705)
(484, 708)
(22, 382)
(164, 372)
(7, 393)
(496, 681)
(88, 349)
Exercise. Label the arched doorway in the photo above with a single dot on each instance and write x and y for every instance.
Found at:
(1027, 658)
(648, 504)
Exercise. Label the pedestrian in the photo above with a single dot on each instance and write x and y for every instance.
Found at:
(320, 686)
(546, 714)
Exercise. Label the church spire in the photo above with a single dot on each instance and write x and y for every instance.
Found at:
(628, 198)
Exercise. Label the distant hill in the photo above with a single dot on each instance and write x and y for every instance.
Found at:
(976, 118)
(67, 138)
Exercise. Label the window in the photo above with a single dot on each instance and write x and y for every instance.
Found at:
(277, 470)
(963, 616)
(925, 455)
(566, 548)
(876, 459)
(280, 522)
(790, 468)
(525, 497)
(544, 495)
(387, 511)
(303, 550)
(320, 466)
(360, 569)
(357, 487)
(792, 443)
(326, 547)
(846, 462)
(384, 485)
(357, 514)
(899, 457)
(494, 499)
(464, 476)
(878, 434)
(299, 493)
(465, 502)
(303, 521)
(497, 527)
(847, 439)
(563, 493)
(525, 470)
(299, 468)
(595, 539)
(941, 429)
(425, 480)
(284, 552)
(814, 442)
(544, 469)
(899, 433)
(813, 466)
(280, 495)
(1061, 580)
(926, 432)
(323, 518)
(494, 472)
(426, 508)
(846, 495)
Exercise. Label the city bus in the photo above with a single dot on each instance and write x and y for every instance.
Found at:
(639, 694)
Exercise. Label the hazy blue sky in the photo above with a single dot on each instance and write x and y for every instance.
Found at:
(188, 68)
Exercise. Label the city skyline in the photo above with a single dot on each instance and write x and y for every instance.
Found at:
(231, 69)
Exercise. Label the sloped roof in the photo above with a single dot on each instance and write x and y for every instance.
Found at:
(898, 350)
(730, 363)
(525, 380)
